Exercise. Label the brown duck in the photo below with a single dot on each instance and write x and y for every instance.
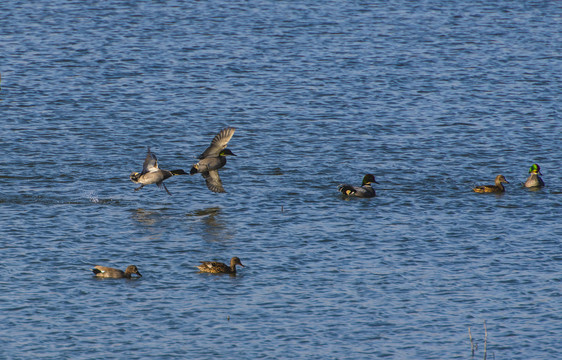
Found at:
(497, 188)
(216, 267)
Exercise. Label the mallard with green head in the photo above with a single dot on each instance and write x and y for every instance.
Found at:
(214, 158)
(496, 188)
(534, 180)
(363, 191)
(107, 272)
(151, 174)
(216, 267)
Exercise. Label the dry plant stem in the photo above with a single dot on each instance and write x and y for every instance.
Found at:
(471, 342)
(485, 339)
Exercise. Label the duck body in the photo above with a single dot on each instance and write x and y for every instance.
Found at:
(496, 188)
(208, 164)
(213, 159)
(363, 191)
(534, 180)
(216, 267)
(152, 174)
(108, 272)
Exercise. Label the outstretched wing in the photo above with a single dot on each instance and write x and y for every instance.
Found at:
(213, 181)
(150, 163)
(219, 143)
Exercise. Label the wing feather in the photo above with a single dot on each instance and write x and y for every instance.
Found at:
(213, 181)
(219, 143)
(150, 163)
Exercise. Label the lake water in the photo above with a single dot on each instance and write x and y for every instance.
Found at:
(433, 97)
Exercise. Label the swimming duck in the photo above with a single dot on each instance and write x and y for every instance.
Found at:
(497, 188)
(534, 180)
(216, 267)
(151, 174)
(214, 158)
(107, 272)
(365, 191)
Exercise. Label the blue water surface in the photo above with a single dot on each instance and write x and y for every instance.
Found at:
(433, 97)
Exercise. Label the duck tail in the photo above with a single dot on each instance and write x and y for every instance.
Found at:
(346, 189)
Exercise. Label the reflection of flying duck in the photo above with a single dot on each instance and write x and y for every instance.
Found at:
(151, 174)
(214, 158)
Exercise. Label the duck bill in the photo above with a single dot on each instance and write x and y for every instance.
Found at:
(139, 274)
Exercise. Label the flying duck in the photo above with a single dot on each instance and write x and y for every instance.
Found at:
(151, 174)
(214, 158)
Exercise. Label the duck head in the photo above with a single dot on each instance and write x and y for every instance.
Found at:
(535, 169)
(132, 269)
(501, 179)
(226, 152)
(369, 178)
(235, 261)
(178, 172)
